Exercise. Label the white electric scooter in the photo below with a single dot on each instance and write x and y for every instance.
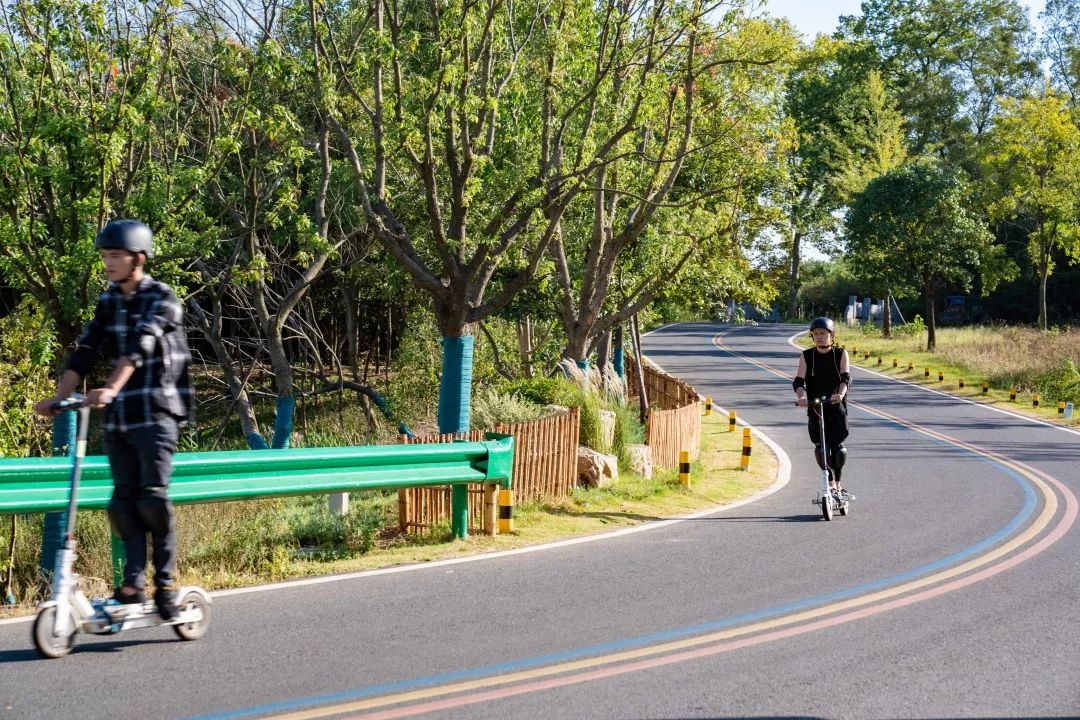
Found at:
(69, 611)
(828, 498)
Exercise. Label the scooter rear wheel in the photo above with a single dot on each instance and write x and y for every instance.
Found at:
(45, 641)
(193, 630)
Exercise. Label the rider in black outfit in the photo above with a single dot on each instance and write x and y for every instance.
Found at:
(824, 372)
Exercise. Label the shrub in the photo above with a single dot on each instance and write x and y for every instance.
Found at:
(540, 390)
(26, 355)
(491, 406)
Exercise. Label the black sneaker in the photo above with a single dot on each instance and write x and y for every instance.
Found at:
(126, 596)
(165, 600)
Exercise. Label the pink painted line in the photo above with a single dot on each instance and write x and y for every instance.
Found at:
(1059, 530)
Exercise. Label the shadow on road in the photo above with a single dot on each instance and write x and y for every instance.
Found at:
(813, 517)
(29, 654)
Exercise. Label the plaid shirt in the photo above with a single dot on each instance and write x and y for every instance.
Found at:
(147, 328)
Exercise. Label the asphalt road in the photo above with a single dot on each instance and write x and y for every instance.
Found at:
(952, 590)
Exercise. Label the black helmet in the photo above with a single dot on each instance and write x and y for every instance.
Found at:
(130, 235)
(823, 323)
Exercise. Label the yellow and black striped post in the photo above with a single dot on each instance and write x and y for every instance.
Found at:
(1035, 400)
(961, 383)
(926, 372)
(986, 388)
(940, 376)
(745, 461)
(708, 406)
(1012, 395)
(506, 511)
(878, 359)
(731, 421)
(684, 468)
(894, 362)
(910, 365)
(1061, 407)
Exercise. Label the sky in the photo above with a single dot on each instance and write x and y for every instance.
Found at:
(820, 16)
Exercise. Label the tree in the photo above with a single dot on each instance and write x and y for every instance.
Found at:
(948, 63)
(679, 195)
(1061, 44)
(470, 127)
(841, 130)
(1032, 159)
(103, 113)
(912, 228)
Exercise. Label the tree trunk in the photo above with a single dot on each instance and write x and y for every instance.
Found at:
(642, 396)
(249, 423)
(886, 317)
(1044, 274)
(603, 352)
(793, 275)
(931, 326)
(285, 408)
(455, 383)
(525, 345)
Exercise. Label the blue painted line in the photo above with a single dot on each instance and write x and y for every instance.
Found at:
(1030, 504)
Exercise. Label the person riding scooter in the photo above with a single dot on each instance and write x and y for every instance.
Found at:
(824, 371)
(137, 324)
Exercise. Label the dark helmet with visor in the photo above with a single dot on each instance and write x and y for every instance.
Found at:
(130, 235)
(823, 323)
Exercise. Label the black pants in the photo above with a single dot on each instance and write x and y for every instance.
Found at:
(141, 461)
(836, 431)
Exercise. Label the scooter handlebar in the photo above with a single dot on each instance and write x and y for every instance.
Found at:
(72, 403)
(823, 400)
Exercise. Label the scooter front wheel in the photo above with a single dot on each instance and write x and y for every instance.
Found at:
(46, 641)
(193, 630)
(826, 506)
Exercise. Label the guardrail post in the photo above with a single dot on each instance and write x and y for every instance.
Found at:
(1061, 407)
(731, 421)
(459, 510)
(684, 468)
(339, 503)
(490, 509)
(708, 406)
(1035, 400)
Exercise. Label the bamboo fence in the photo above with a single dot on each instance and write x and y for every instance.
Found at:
(545, 465)
(673, 422)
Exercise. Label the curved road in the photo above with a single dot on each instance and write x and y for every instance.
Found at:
(952, 590)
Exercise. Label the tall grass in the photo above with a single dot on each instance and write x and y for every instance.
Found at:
(1025, 358)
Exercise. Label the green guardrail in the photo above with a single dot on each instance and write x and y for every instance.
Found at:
(34, 485)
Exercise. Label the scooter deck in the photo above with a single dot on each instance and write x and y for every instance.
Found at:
(113, 618)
